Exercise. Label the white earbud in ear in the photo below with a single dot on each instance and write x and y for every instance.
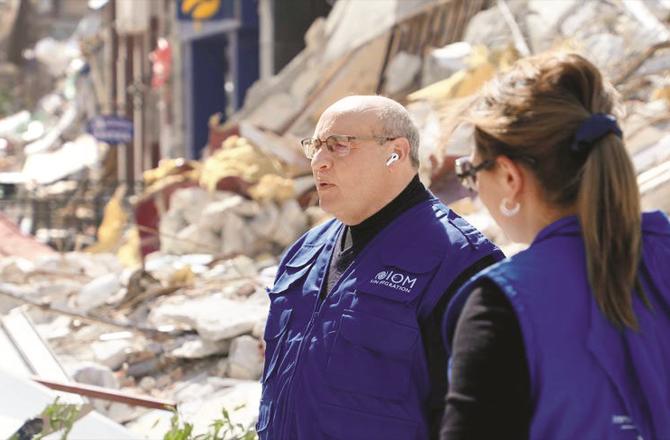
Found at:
(394, 157)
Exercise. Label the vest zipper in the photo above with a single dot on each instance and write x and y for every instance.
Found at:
(308, 331)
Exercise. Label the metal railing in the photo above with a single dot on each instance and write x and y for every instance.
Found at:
(66, 216)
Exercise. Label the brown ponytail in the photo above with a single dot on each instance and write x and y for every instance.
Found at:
(609, 212)
(533, 111)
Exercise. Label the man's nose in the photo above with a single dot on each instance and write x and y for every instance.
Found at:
(321, 160)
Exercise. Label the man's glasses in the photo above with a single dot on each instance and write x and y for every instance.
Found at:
(466, 171)
(340, 145)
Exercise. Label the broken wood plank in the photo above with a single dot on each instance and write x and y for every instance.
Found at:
(96, 392)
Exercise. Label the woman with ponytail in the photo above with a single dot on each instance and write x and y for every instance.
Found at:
(569, 339)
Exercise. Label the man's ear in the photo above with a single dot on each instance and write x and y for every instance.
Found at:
(510, 177)
(401, 147)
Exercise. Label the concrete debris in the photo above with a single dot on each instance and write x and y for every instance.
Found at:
(228, 224)
(72, 157)
(98, 291)
(624, 40)
(214, 317)
(201, 348)
(246, 358)
(223, 300)
(259, 329)
(112, 354)
(147, 383)
(401, 72)
(95, 374)
(209, 233)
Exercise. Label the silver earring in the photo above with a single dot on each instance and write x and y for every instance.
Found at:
(506, 210)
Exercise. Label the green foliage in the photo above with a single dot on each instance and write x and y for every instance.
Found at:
(61, 416)
(220, 429)
(55, 417)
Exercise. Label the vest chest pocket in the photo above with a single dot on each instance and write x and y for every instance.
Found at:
(296, 268)
(372, 356)
(285, 298)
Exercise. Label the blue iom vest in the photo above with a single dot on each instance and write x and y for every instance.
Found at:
(353, 366)
(588, 380)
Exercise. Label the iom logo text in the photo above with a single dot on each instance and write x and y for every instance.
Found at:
(394, 280)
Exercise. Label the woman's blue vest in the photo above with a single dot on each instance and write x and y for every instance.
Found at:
(353, 366)
(588, 379)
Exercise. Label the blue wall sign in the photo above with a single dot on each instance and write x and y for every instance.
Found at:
(111, 129)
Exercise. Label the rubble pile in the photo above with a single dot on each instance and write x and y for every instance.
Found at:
(238, 201)
(156, 330)
(629, 41)
(170, 300)
(225, 223)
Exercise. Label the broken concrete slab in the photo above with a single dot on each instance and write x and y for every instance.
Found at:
(200, 348)
(97, 292)
(214, 317)
(245, 360)
(112, 353)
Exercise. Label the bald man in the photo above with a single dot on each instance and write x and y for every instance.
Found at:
(353, 339)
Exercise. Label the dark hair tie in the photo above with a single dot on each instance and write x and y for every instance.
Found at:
(593, 128)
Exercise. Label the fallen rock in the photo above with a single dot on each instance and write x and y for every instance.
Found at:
(147, 383)
(95, 374)
(245, 360)
(214, 317)
(112, 353)
(96, 292)
(259, 328)
(292, 223)
(201, 348)
(401, 71)
(189, 203)
(195, 239)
